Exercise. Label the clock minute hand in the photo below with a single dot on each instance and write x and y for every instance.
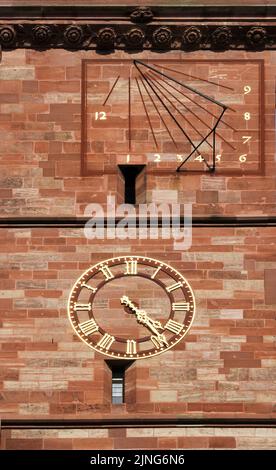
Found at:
(158, 339)
(145, 320)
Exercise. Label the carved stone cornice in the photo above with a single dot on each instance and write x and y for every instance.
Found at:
(138, 28)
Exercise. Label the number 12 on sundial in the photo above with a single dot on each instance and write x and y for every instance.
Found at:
(186, 115)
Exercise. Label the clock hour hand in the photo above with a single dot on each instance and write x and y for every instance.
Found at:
(141, 314)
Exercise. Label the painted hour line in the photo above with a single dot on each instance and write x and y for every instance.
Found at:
(157, 80)
(167, 109)
(112, 89)
(159, 114)
(207, 81)
(129, 115)
(163, 98)
(147, 114)
(189, 110)
(197, 78)
(205, 109)
(175, 107)
(164, 94)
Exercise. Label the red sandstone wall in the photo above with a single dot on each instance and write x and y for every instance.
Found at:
(41, 141)
(226, 366)
(139, 438)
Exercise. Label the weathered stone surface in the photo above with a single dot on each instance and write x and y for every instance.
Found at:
(11, 182)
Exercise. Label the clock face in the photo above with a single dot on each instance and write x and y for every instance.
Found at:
(131, 307)
(194, 115)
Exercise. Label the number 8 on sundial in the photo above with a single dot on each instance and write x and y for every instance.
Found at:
(185, 115)
(131, 307)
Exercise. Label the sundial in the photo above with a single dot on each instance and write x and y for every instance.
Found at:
(189, 115)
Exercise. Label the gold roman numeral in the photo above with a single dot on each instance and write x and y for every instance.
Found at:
(156, 272)
(106, 341)
(179, 306)
(106, 272)
(88, 327)
(86, 307)
(131, 267)
(94, 289)
(131, 346)
(177, 285)
(174, 326)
